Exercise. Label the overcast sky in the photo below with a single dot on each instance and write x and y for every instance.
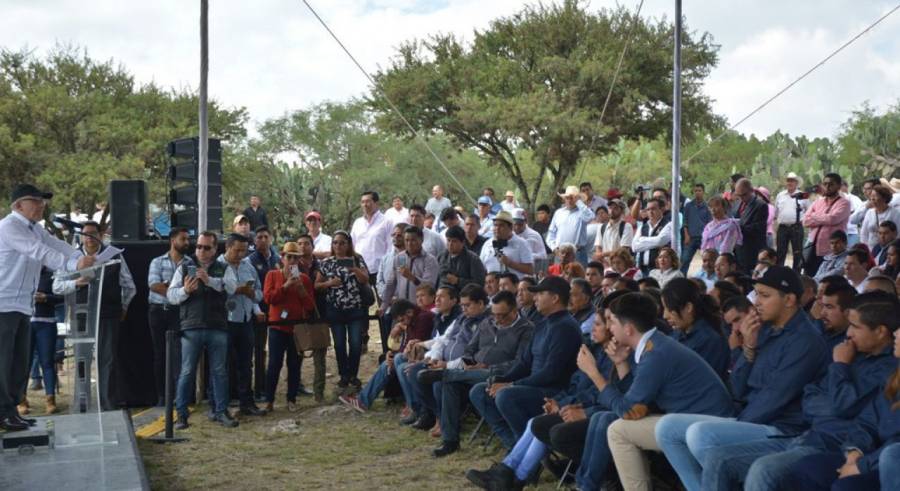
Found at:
(272, 56)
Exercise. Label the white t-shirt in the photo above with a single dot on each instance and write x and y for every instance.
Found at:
(322, 243)
(517, 250)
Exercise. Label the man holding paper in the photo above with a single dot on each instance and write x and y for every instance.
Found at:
(118, 290)
(25, 246)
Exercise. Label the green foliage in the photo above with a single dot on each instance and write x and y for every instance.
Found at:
(324, 157)
(534, 84)
(871, 142)
(71, 124)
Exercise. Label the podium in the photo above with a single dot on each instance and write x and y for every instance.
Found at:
(82, 322)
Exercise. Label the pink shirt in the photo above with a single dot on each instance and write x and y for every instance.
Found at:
(372, 239)
(822, 221)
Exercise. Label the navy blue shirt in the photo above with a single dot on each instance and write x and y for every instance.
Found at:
(696, 216)
(770, 389)
(670, 378)
(551, 358)
(710, 344)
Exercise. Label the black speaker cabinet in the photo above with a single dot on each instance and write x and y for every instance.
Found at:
(128, 209)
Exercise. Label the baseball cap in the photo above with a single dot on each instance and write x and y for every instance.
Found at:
(618, 202)
(313, 214)
(28, 191)
(518, 215)
(783, 279)
(552, 284)
(613, 193)
(485, 200)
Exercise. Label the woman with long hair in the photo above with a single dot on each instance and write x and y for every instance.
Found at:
(696, 322)
(344, 275)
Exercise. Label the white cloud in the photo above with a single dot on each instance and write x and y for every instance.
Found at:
(272, 55)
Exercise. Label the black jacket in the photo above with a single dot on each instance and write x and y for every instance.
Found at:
(754, 223)
(47, 309)
(257, 217)
(467, 266)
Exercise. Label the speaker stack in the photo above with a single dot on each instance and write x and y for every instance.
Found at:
(184, 157)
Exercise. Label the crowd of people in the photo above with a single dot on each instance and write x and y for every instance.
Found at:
(581, 337)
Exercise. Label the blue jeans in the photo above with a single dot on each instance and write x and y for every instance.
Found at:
(761, 465)
(454, 386)
(687, 253)
(347, 326)
(281, 345)
(889, 467)
(403, 365)
(508, 413)
(375, 385)
(596, 457)
(43, 338)
(581, 254)
(193, 341)
(708, 432)
(526, 455)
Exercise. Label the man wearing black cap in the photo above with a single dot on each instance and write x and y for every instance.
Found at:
(509, 400)
(25, 246)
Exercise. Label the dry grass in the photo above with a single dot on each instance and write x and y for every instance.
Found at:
(334, 449)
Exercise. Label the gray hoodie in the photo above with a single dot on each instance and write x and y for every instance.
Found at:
(499, 347)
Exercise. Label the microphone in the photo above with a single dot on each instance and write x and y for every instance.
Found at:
(69, 224)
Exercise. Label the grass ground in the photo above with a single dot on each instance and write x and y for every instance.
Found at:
(333, 448)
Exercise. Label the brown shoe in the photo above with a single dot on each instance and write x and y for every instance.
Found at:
(23, 407)
(269, 407)
(436, 431)
(51, 405)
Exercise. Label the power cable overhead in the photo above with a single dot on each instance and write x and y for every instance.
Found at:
(389, 101)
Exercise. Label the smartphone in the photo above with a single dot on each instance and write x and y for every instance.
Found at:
(250, 283)
(346, 263)
(191, 270)
(295, 271)
(401, 261)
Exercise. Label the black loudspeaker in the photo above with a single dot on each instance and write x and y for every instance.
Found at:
(128, 209)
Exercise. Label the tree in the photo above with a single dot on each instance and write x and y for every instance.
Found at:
(537, 81)
(870, 142)
(71, 124)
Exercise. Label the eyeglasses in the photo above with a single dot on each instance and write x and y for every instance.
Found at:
(204, 247)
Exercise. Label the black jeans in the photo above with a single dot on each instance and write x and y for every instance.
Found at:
(162, 319)
(790, 235)
(15, 352)
(281, 346)
(107, 361)
(240, 345)
(566, 438)
(260, 338)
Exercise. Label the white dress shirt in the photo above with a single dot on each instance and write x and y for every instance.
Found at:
(786, 208)
(397, 216)
(534, 239)
(570, 226)
(434, 243)
(24, 248)
(868, 230)
(372, 239)
(516, 250)
(641, 245)
(126, 282)
(610, 239)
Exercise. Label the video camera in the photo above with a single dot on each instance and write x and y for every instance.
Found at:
(641, 188)
(805, 194)
(498, 245)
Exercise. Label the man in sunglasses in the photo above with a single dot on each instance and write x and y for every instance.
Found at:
(25, 246)
(198, 287)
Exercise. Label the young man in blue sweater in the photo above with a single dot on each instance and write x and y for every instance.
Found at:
(781, 352)
(509, 400)
(834, 405)
(668, 377)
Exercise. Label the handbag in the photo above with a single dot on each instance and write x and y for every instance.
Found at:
(313, 335)
(366, 293)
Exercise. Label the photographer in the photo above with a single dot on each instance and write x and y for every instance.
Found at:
(507, 251)
(789, 207)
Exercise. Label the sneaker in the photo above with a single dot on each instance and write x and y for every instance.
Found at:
(353, 403)
(226, 420)
(181, 423)
(292, 407)
(303, 391)
(409, 419)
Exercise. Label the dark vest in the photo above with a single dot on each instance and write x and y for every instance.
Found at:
(205, 308)
(47, 309)
(111, 296)
(647, 232)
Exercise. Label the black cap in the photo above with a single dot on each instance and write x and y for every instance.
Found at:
(28, 191)
(552, 284)
(782, 278)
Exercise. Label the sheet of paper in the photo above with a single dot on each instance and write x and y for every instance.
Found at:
(106, 254)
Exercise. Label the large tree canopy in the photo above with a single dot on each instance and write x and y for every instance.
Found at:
(538, 80)
(71, 123)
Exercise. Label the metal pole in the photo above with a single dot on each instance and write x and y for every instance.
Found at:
(676, 135)
(204, 130)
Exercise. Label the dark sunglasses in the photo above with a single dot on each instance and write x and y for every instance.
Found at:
(204, 247)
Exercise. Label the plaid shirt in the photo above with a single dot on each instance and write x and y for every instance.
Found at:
(161, 271)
